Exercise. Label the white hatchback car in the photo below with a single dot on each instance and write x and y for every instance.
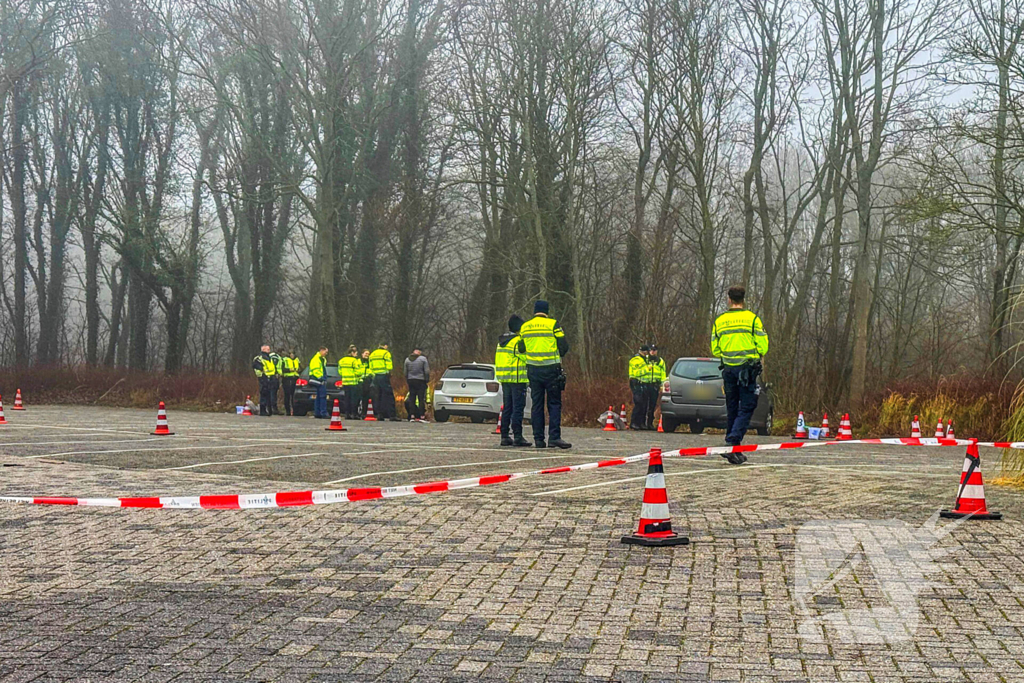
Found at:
(470, 390)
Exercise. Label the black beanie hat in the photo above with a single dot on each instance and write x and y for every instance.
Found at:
(515, 323)
(540, 306)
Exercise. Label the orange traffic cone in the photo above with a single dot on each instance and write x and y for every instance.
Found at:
(949, 431)
(3, 420)
(18, 405)
(162, 428)
(369, 411)
(845, 431)
(655, 527)
(939, 432)
(497, 427)
(824, 426)
(622, 416)
(661, 429)
(245, 409)
(801, 427)
(970, 499)
(335, 425)
(915, 428)
(609, 424)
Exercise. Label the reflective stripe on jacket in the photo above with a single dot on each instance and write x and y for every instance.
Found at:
(290, 367)
(351, 370)
(540, 334)
(380, 362)
(509, 367)
(738, 337)
(317, 366)
(276, 360)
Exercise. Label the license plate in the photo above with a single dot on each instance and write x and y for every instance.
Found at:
(462, 399)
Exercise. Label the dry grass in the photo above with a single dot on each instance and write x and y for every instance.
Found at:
(112, 387)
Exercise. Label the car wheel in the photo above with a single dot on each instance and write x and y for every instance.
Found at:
(300, 412)
(440, 416)
(766, 430)
(669, 424)
(477, 419)
(696, 428)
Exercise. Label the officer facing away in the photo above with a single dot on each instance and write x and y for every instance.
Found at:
(652, 384)
(352, 370)
(739, 340)
(543, 344)
(317, 369)
(381, 367)
(510, 370)
(266, 370)
(291, 366)
(637, 368)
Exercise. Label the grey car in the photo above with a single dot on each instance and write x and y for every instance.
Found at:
(693, 394)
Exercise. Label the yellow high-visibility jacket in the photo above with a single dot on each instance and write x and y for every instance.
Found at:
(738, 337)
(380, 362)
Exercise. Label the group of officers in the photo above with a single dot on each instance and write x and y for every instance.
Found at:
(529, 355)
(365, 377)
(646, 375)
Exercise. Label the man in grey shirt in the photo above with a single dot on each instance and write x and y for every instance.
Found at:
(417, 374)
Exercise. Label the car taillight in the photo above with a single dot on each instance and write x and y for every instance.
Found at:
(665, 389)
(301, 382)
(493, 387)
(339, 383)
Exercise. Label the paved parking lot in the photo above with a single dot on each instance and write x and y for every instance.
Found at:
(523, 581)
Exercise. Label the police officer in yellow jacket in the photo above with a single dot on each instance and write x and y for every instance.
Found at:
(653, 378)
(317, 377)
(738, 339)
(543, 345)
(637, 369)
(291, 366)
(381, 367)
(266, 371)
(352, 370)
(510, 370)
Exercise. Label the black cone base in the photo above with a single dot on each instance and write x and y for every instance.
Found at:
(649, 542)
(343, 429)
(950, 514)
(161, 433)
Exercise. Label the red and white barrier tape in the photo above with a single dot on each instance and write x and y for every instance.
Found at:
(301, 498)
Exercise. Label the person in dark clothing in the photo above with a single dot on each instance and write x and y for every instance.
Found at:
(543, 345)
(266, 371)
(510, 370)
(367, 382)
(417, 375)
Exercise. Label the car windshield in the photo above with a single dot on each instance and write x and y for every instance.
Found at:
(696, 369)
(468, 372)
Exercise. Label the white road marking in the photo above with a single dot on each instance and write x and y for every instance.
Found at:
(236, 462)
(65, 443)
(451, 466)
(131, 450)
(732, 470)
(75, 429)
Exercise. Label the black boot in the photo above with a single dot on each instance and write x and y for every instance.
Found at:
(539, 443)
(505, 441)
(559, 443)
(520, 442)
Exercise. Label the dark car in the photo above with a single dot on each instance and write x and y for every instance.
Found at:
(306, 392)
(693, 394)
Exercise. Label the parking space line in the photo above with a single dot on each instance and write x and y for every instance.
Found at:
(734, 470)
(132, 450)
(65, 443)
(451, 466)
(238, 462)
